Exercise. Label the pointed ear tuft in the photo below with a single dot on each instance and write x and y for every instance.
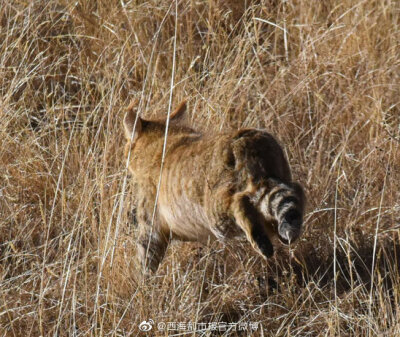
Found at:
(129, 122)
(179, 111)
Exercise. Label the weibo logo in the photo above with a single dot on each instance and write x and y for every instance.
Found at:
(146, 326)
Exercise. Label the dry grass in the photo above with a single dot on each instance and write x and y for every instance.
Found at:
(323, 76)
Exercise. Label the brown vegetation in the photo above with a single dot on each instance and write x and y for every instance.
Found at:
(322, 76)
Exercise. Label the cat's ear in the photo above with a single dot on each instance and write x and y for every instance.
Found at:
(132, 122)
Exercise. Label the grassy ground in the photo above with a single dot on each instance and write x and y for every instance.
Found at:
(323, 76)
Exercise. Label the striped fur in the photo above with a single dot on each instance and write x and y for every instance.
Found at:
(213, 186)
(285, 203)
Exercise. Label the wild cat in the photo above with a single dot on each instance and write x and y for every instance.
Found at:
(213, 186)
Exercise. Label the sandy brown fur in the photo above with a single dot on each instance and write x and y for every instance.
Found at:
(213, 186)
